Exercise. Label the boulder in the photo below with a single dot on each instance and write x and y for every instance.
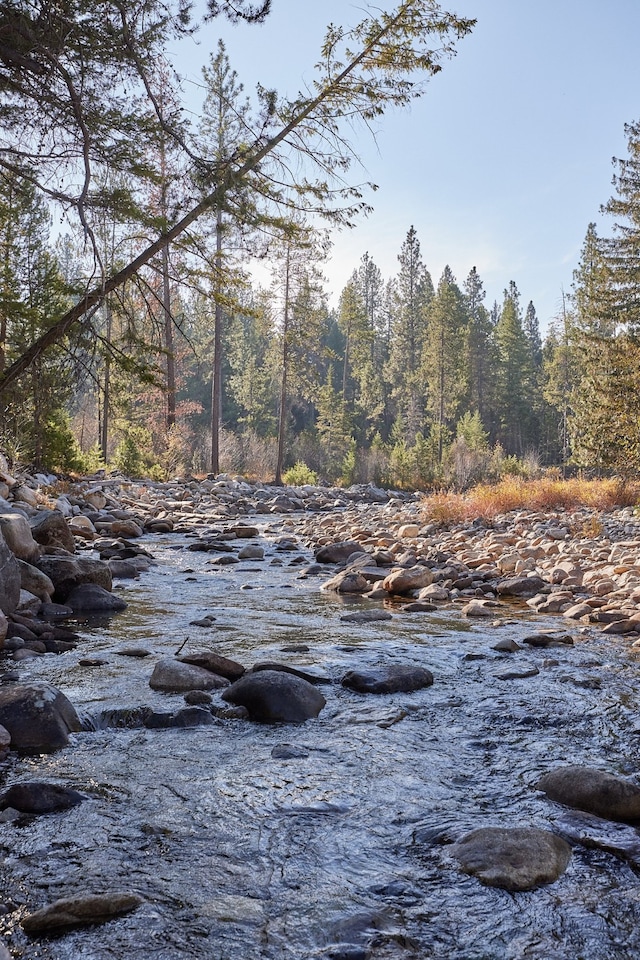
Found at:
(520, 586)
(516, 859)
(394, 678)
(594, 791)
(407, 580)
(17, 535)
(50, 529)
(338, 552)
(272, 696)
(38, 716)
(37, 796)
(92, 598)
(77, 911)
(35, 581)
(175, 676)
(126, 528)
(9, 578)
(222, 666)
(67, 572)
(348, 581)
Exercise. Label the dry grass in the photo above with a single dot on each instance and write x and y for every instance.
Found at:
(489, 500)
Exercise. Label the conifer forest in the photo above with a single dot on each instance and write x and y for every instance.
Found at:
(163, 309)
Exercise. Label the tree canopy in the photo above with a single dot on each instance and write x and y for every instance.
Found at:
(81, 75)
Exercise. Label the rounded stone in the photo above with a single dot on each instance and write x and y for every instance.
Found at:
(516, 859)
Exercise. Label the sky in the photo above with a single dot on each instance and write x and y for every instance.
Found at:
(505, 160)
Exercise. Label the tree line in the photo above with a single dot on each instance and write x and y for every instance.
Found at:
(138, 338)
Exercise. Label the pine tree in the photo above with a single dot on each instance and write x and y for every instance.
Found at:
(514, 376)
(481, 352)
(444, 356)
(412, 294)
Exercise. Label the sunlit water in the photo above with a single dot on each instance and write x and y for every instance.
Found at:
(342, 854)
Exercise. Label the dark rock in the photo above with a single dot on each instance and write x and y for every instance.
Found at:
(192, 716)
(594, 791)
(285, 668)
(548, 639)
(419, 606)
(514, 859)
(38, 716)
(55, 611)
(37, 796)
(198, 698)
(92, 598)
(522, 673)
(272, 696)
(286, 751)
(366, 616)
(506, 645)
(67, 572)
(520, 586)
(76, 911)
(174, 676)
(338, 552)
(222, 666)
(388, 679)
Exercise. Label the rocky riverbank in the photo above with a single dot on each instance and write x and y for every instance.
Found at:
(64, 545)
(71, 540)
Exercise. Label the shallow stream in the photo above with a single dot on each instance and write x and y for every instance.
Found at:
(340, 854)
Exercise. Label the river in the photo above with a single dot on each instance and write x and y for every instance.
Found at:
(339, 853)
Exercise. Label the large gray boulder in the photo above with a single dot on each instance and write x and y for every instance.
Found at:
(9, 579)
(272, 696)
(38, 716)
(516, 859)
(594, 791)
(67, 572)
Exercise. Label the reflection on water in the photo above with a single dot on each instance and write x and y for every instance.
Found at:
(341, 853)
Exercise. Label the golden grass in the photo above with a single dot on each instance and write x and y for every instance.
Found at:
(488, 500)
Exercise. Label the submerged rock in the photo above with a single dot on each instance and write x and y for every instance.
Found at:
(388, 679)
(38, 796)
(594, 791)
(515, 859)
(76, 911)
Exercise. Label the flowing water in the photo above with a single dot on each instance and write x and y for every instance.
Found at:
(342, 853)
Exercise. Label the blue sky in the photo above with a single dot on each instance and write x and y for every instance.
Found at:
(504, 161)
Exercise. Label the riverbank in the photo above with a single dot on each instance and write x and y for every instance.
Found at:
(342, 836)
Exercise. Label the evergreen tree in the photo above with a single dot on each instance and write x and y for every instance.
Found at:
(514, 376)
(412, 294)
(481, 352)
(444, 356)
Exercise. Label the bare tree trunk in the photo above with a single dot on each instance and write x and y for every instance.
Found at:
(106, 395)
(216, 377)
(282, 419)
(168, 341)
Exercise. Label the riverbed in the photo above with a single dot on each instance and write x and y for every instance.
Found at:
(340, 852)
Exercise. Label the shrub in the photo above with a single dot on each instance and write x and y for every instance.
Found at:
(299, 475)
